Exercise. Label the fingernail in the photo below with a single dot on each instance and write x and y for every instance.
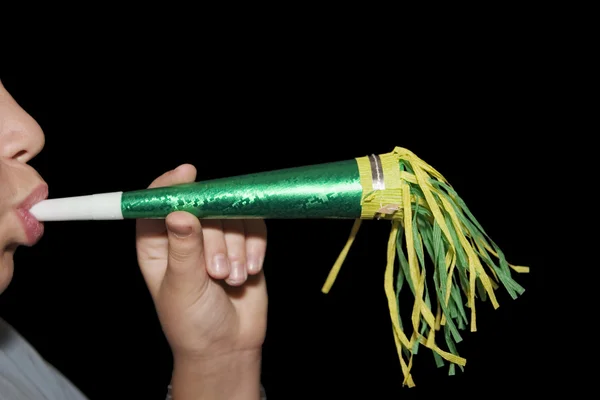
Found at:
(238, 272)
(181, 231)
(221, 264)
(254, 265)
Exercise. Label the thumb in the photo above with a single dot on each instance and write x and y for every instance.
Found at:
(186, 267)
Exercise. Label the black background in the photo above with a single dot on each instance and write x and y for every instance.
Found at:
(119, 109)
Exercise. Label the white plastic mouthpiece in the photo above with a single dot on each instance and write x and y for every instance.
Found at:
(104, 206)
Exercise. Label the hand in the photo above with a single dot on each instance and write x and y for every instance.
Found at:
(206, 281)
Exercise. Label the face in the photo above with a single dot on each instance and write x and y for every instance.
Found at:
(21, 139)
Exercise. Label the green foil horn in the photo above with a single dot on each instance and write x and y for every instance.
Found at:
(427, 218)
(331, 190)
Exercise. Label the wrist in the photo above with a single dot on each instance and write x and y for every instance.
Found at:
(231, 376)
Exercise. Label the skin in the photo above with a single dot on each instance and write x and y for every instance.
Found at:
(205, 277)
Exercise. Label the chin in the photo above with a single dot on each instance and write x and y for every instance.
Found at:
(6, 268)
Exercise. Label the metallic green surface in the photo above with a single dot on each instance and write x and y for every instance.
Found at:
(330, 190)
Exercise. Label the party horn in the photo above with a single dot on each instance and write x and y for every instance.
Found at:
(427, 217)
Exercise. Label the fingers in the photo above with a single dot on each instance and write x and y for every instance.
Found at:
(234, 249)
(186, 268)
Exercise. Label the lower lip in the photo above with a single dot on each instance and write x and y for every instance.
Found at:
(33, 228)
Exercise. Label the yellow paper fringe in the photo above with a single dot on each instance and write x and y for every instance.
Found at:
(396, 202)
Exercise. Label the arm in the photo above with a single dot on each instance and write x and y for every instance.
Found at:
(231, 377)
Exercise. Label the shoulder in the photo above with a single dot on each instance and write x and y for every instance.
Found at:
(11, 343)
(24, 374)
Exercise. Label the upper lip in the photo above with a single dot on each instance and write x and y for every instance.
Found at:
(38, 194)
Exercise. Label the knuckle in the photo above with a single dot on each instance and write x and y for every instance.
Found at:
(179, 255)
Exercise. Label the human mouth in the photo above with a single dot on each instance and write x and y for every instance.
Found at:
(32, 227)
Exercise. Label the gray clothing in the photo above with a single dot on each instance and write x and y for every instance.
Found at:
(25, 375)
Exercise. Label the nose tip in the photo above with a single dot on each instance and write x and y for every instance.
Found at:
(23, 144)
(21, 137)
